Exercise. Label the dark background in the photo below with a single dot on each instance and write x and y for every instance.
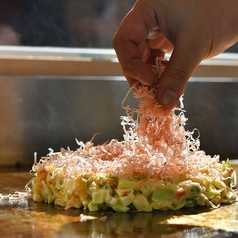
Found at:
(72, 23)
(68, 23)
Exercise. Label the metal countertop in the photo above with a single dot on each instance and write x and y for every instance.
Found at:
(25, 218)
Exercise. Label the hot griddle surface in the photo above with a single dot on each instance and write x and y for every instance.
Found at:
(25, 218)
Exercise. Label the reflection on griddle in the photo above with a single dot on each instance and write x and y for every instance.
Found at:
(36, 219)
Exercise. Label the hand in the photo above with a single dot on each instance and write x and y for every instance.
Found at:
(192, 30)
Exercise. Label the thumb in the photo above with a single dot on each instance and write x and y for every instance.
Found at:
(175, 77)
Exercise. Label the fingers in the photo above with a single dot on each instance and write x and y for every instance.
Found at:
(194, 30)
(153, 55)
(135, 69)
(181, 65)
(132, 52)
(133, 43)
(159, 41)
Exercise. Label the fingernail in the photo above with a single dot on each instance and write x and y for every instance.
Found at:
(169, 98)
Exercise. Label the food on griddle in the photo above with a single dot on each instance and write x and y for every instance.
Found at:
(157, 166)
